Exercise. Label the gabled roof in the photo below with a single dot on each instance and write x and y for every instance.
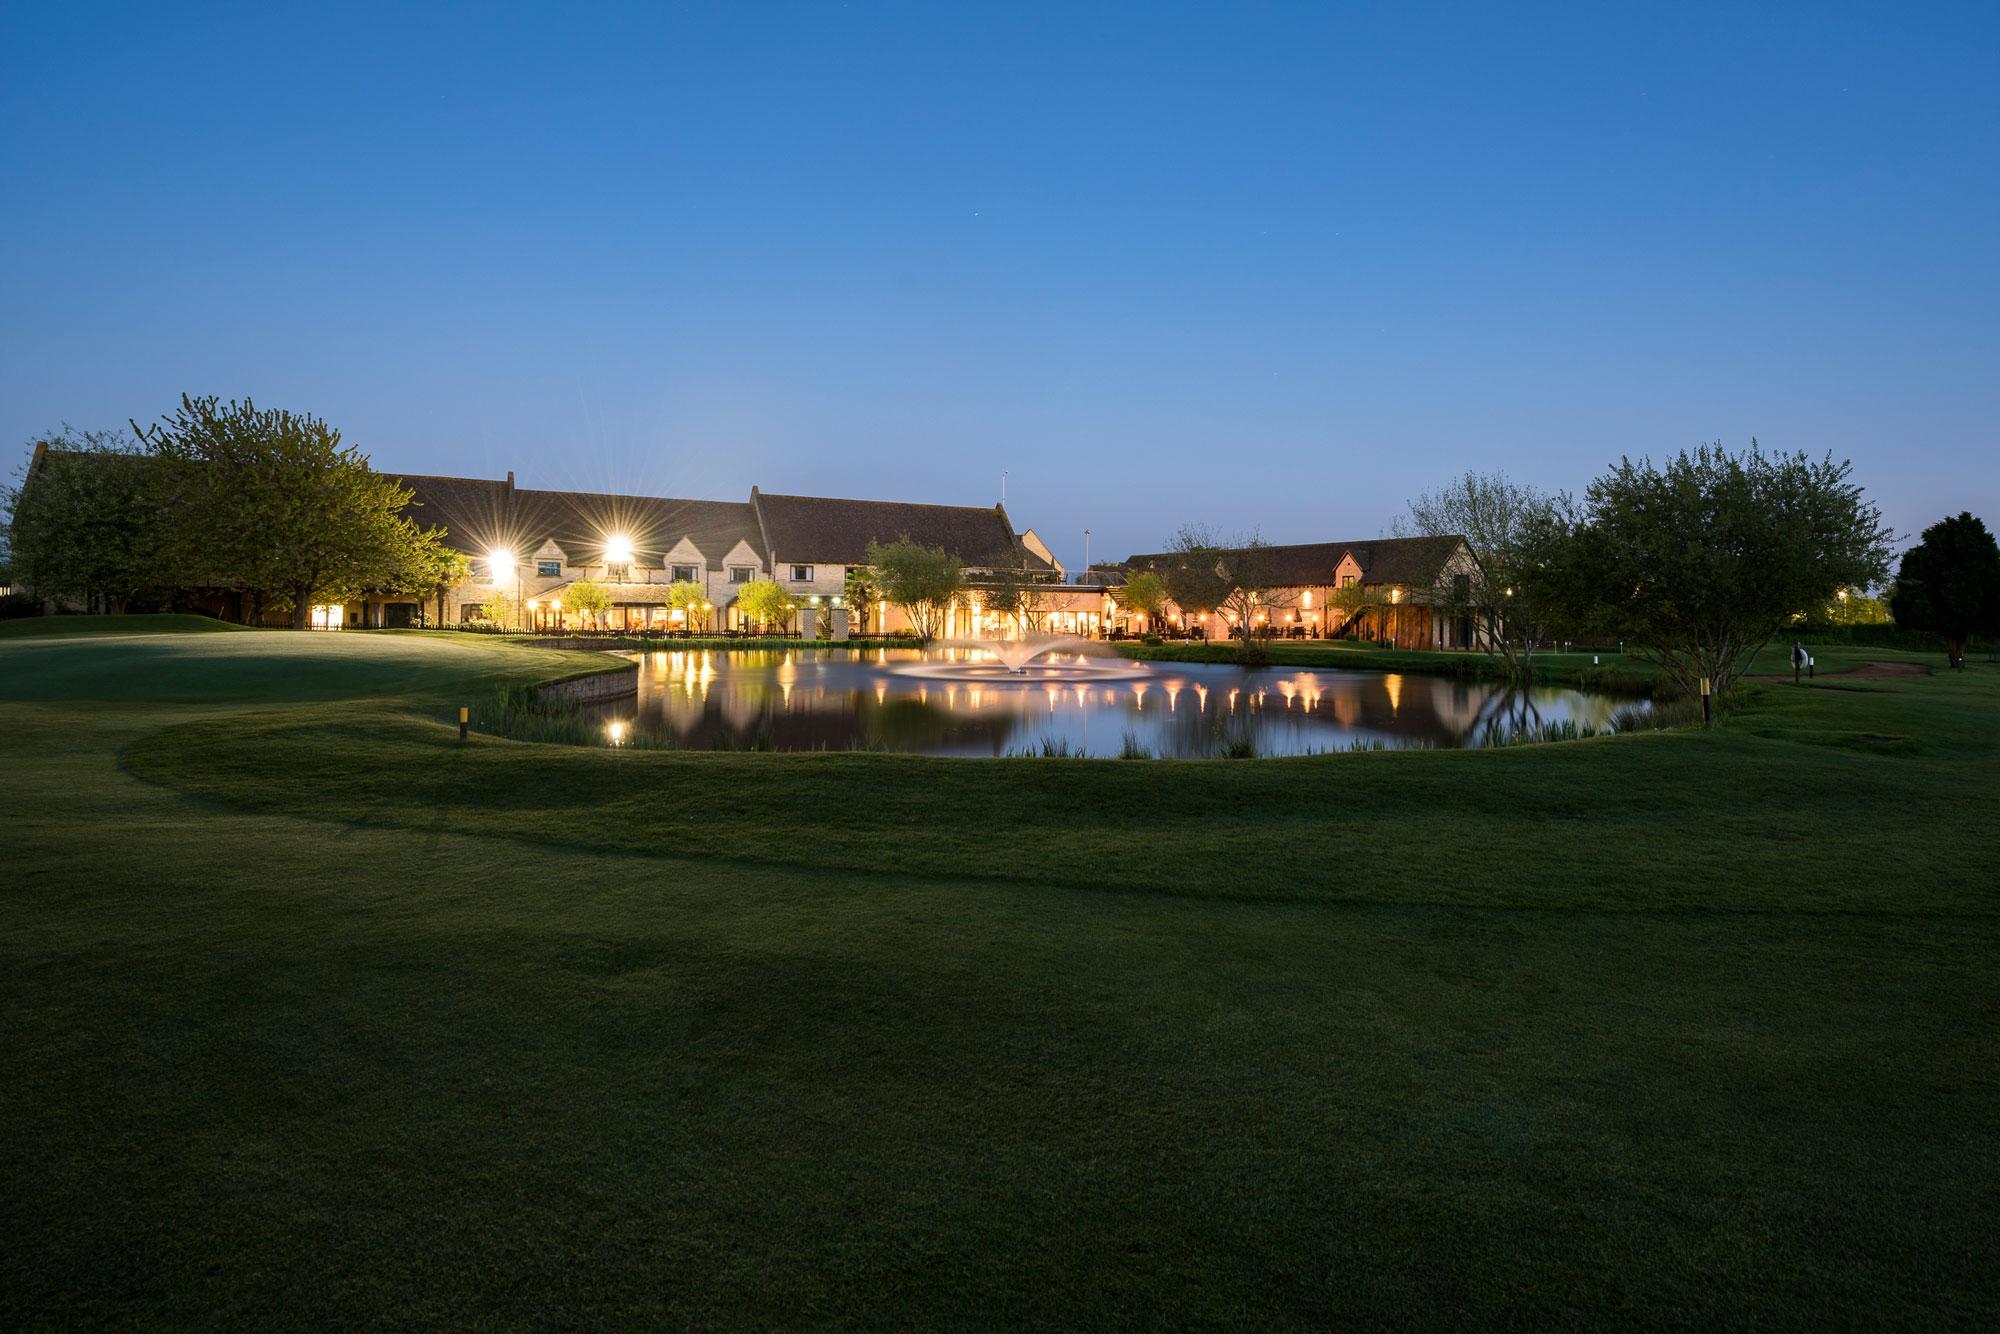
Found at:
(479, 515)
(580, 521)
(1307, 563)
(1414, 562)
(837, 532)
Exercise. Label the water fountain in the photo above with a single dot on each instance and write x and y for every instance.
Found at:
(1026, 661)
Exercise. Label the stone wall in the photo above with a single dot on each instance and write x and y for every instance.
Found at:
(589, 689)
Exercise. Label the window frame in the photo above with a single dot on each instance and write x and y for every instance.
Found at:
(687, 574)
(742, 574)
(548, 569)
(805, 578)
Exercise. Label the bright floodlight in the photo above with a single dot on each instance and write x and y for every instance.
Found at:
(499, 560)
(618, 549)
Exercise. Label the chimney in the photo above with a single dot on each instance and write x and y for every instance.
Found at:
(510, 479)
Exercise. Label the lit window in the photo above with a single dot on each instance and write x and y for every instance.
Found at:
(687, 574)
(548, 569)
(742, 574)
(802, 574)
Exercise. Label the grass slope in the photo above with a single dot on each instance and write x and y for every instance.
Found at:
(313, 1015)
(71, 627)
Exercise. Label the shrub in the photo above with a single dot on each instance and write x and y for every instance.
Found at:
(14, 606)
(1880, 636)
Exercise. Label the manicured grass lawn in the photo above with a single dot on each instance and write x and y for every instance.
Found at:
(312, 1014)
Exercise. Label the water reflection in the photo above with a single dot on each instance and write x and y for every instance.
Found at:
(831, 700)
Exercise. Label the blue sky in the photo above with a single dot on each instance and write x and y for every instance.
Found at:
(1264, 266)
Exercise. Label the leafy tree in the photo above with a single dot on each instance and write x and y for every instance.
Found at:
(1144, 593)
(1012, 592)
(1852, 606)
(764, 602)
(501, 609)
(1236, 579)
(272, 503)
(429, 569)
(691, 600)
(1357, 600)
(861, 594)
(1949, 584)
(1500, 522)
(1193, 572)
(88, 521)
(923, 581)
(590, 600)
(1699, 563)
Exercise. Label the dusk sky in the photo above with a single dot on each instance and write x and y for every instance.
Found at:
(1273, 267)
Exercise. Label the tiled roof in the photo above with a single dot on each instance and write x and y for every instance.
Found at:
(1307, 563)
(580, 521)
(1411, 561)
(817, 528)
(1414, 562)
(479, 515)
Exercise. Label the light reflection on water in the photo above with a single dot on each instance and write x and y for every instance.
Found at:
(764, 699)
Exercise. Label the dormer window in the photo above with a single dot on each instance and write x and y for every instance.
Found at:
(687, 574)
(548, 569)
(742, 574)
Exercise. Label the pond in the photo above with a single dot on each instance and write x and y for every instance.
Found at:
(959, 702)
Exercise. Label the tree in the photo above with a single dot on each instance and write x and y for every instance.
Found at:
(763, 601)
(425, 568)
(88, 521)
(1699, 563)
(590, 600)
(1193, 573)
(691, 600)
(1851, 606)
(1949, 584)
(1255, 592)
(923, 581)
(1500, 522)
(1144, 593)
(272, 503)
(430, 569)
(1236, 579)
(1357, 600)
(1012, 592)
(861, 594)
(500, 609)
